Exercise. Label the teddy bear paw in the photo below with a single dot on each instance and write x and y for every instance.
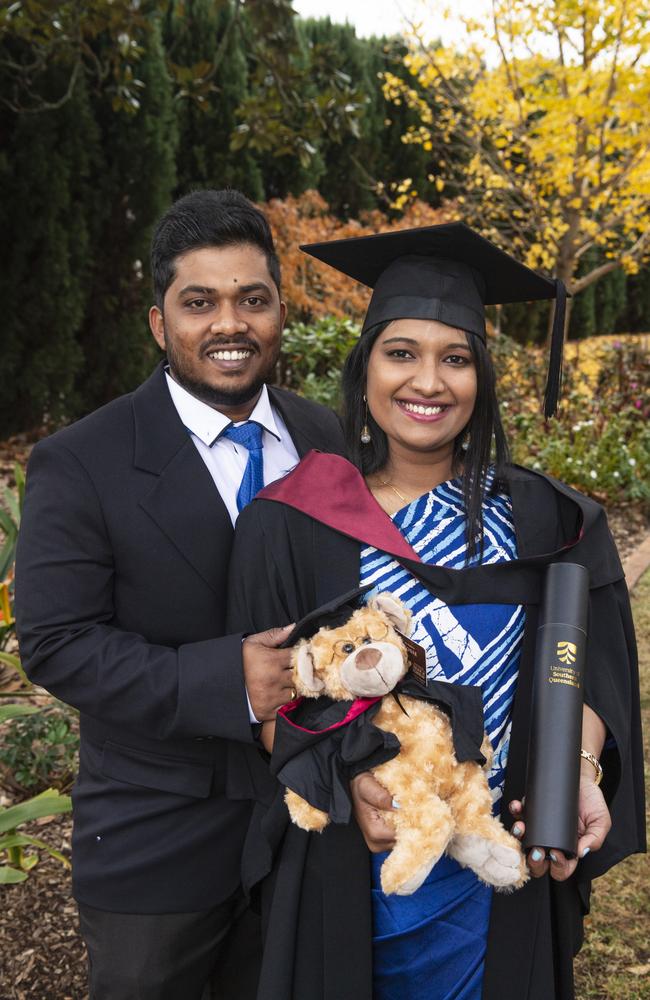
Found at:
(304, 815)
(496, 864)
(398, 883)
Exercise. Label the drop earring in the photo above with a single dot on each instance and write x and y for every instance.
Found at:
(365, 432)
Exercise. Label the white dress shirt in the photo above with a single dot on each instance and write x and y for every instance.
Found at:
(225, 460)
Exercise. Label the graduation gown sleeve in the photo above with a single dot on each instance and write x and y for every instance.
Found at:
(256, 593)
(313, 891)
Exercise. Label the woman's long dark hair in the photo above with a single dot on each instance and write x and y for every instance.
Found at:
(473, 448)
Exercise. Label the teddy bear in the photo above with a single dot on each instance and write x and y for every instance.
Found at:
(444, 805)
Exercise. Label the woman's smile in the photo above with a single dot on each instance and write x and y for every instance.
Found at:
(421, 385)
(422, 410)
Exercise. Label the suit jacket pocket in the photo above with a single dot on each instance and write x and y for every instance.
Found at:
(248, 775)
(167, 774)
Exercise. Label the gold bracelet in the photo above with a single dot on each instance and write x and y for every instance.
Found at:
(593, 760)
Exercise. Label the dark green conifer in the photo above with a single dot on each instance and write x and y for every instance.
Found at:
(376, 155)
(204, 49)
(47, 184)
(635, 317)
(134, 187)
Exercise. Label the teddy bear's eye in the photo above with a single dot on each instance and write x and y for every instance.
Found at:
(366, 639)
(342, 648)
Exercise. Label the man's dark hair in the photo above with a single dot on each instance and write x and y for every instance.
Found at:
(479, 445)
(207, 219)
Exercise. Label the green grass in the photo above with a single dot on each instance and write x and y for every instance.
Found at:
(615, 961)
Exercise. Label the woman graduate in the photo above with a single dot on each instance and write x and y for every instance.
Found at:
(430, 509)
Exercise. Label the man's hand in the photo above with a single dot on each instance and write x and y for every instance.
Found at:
(267, 671)
(371, 802)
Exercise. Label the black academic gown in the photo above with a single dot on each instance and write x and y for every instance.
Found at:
(315, 889)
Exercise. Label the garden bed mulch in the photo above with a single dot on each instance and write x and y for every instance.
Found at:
(41, 954)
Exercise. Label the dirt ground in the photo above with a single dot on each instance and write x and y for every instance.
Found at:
(41, 955)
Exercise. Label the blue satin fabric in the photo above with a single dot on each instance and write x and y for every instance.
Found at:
(431, 945)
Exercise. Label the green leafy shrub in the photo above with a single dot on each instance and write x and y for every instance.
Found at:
(19, 859)
(10, 513)
(313, 355)
(10, 521)
(12, 711)
(39, 749)
(600, 441)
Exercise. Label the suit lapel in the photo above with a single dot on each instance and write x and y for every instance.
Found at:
(183, 500)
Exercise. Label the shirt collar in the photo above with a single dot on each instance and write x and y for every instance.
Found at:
(206, 423)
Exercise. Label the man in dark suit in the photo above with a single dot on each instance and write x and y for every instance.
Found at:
(121, 595)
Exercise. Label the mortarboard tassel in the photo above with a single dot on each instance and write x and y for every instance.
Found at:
(554, 378)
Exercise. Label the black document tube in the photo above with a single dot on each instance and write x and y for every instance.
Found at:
(551, 807)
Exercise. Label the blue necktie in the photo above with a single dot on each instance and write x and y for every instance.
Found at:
(249, 435)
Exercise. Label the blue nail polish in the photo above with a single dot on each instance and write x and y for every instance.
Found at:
(585, 852)
(516, 830)
(553, 857)
(395, 804)
(536, 855)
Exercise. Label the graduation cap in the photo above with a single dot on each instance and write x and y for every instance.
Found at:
(447, 273)
(331, 615)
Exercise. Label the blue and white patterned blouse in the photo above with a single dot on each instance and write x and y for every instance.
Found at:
(465, 644)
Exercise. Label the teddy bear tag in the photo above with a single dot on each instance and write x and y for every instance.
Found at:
(416, 657)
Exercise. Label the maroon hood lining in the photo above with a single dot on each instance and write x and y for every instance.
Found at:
(347, 505)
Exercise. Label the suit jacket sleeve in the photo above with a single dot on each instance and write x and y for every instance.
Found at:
(65, 574)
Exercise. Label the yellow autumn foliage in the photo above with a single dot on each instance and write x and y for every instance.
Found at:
(546, 107)
(584, 361)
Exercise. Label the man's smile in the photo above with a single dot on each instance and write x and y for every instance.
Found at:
(230, 359)
(230, 355)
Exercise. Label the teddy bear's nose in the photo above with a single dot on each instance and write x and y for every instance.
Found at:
(367, 658)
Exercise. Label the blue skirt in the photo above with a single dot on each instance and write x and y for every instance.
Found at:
(431, 945)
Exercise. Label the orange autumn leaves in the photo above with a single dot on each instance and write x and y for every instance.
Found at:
(312, 289)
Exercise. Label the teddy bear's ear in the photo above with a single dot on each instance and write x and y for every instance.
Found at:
(304, 665)
(397, 613)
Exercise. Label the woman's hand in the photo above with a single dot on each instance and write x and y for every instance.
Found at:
(594, 824)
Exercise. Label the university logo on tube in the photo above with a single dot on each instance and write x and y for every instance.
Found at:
(566, 652)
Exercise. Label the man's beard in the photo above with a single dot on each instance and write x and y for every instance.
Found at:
(221, 396)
